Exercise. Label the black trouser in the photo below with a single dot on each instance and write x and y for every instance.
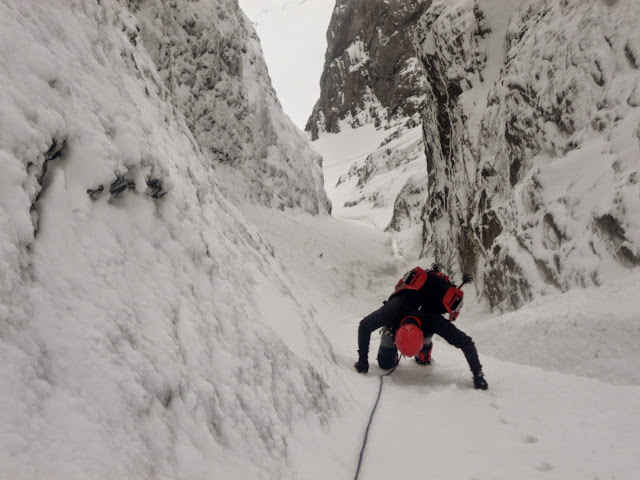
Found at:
(437, 324)
(390, 314)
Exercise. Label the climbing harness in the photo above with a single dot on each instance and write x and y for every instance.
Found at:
(375, 406)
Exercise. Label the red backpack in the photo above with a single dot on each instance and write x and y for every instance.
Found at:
(439, 294)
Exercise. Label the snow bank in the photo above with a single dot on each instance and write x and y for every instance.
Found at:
(592, 332)
(133, 336)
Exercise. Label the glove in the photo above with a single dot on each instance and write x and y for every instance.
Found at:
(479, 382)
(362, 365)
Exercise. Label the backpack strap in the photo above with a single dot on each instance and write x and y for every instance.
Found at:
(452, 302)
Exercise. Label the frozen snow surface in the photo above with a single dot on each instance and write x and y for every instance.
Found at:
(563, 395)
(366, 168)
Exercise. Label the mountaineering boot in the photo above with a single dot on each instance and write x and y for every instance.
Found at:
(479, 381)
(387, 353)
(424, 357)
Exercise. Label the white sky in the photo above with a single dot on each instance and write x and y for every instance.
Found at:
(293, 37)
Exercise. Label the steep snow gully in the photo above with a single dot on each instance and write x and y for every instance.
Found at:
(532, 423)
(564, 387)
(150, 328)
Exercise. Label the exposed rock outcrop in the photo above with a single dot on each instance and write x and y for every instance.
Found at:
(530, 117)
(371, 72)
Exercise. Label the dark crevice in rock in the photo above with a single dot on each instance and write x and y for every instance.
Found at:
(615, 236)
(55, 152)
(119, 185)
(611, 227)
(94, 193)
(490, 228)
(627, 257)
(155, 188)
(631, 57)
(546, 273)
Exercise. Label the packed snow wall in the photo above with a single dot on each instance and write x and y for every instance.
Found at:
(137, 330)
(532, 142)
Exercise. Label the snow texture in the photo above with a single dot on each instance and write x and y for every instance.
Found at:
(149, 328)
(146, 330)
(563, 395)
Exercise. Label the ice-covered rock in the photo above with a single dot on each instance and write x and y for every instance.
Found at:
(535, 168)
(530, 118)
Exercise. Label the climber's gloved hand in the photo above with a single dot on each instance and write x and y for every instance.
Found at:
(479, 382)
(362, 365)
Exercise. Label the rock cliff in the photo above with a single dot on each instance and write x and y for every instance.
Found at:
(371, 72)
(530, 113)
(532, 142)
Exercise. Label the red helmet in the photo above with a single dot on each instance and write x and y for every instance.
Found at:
(409, 339)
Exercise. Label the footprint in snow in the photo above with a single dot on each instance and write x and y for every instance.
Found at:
(530, 439)
(544, 467)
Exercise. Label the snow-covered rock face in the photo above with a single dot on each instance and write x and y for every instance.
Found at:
(144, 325)
(209, 57)
(532, 142)
(371, 73)
(450, 39)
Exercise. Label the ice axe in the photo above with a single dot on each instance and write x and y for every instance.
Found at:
(466, 278)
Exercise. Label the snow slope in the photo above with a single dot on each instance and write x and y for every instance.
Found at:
(366, 168)
(552, 410)
(563, 395)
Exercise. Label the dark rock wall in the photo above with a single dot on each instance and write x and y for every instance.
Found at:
(449, 43)
(371, 74)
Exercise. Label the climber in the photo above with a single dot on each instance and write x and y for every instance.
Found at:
(410, 318)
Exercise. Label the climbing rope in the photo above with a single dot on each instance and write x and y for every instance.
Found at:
(375, 406)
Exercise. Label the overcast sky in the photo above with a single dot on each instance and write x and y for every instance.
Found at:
(293, 37)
